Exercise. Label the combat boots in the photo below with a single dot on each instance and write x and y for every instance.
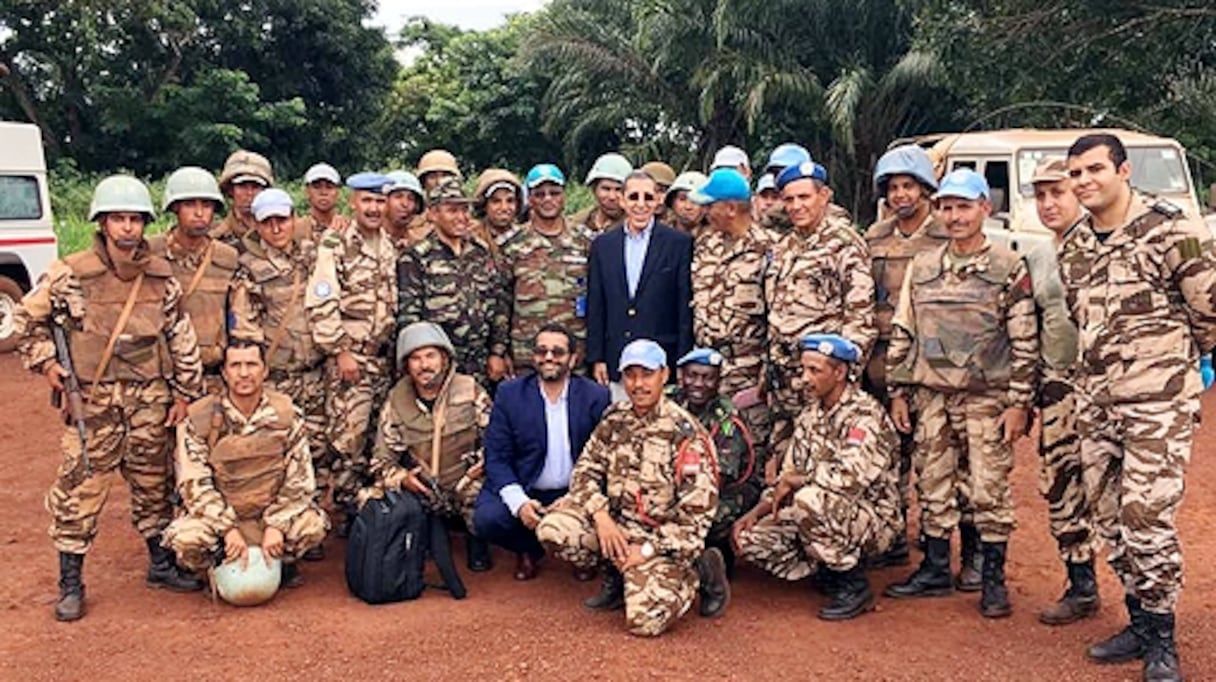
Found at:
(164, 572)
(290, 576)
(994, 602)
(851, 595)
(715, 586)
(71, 588)
(971, 560)
(1130, 642)
(612, 592)
(1160, 654)
(932, 578)
(1080, 600)
(477, 554)
(897, 555)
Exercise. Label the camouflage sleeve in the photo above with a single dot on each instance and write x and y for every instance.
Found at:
(385, 466)
(32, 318)
(323, 298)
(246, 306)
(859, 326)
(483, 404)
(682, 536)
(196, 485)
(793, 454)
(1023, 329)
(187, 379)
(855, 462)
(1191, 261)
(903, 335)
(500, 316)
(411, 289)
(299, 482)
(590, 475)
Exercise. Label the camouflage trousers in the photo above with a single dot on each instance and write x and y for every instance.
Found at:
(195, 542)
(818, 528)
(960, 453)
(1134, 457)
(657, 592)
(307, 390)
(125, 431)
(873, 382)
(1060, 479)
(352, 408)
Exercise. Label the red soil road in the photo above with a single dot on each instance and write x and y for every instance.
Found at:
(509, 630)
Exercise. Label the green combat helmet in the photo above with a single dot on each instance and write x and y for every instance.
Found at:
(121, 194)
(191, 182)
(611, 166)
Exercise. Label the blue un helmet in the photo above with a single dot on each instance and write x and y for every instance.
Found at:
(786, 155)
(542, 173)
(909, 159)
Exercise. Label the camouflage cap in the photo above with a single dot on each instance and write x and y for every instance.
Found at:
(449, 190)
(1050, 169)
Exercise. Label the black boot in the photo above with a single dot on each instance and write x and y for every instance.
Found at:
(1160, 654)
(314, 553)
(971, 560)
(851, 595)
(71, 587)
(897, 555)
(715, 586)
(290, 576)
(477, 554)
(1129, 643)
(932, 578)
(164, 572)
(1080, 600)
(611, 596)
(994, 602)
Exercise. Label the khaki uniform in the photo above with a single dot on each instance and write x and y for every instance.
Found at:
(267, 305)
(965, 336)
(1143, 303)
(406, 437)
(819, 283)
(250, 473)
(205, 276)
(232, 230)
(350, 300)
(548, 283)
(657, 476)
(308, 227)
(592, 219)
(850, 505)
(155, 360)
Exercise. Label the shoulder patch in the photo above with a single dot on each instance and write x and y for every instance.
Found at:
(856, 435)
(1166, 208)
(322, 289)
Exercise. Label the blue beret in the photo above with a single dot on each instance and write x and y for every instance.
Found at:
(701, 356)
(806, 169)
(832, 345)
(369, 182)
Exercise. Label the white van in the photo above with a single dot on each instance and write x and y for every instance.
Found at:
(27, 234)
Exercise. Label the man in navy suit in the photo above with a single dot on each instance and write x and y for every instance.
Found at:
(537, 429)
(640, 285)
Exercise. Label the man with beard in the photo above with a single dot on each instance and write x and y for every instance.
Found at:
(136, 357)
(496, 202)
(432, 428)
(642, 497)
(350, 301)
(245, 174)
(323, 187)
(607, 181)
(538, 427)
(545, 262)
(406, 223)
(203, 265)
(686, 215)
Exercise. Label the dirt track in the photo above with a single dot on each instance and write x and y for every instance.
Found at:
(508, 630)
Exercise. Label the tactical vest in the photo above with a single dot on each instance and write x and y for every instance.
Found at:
(141, 353)
(207, 304)
(961, 338)
(249, 469)
(296, 350)
(890, 256)
(459, 430)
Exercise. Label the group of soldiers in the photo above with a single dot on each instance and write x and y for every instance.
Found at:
(830, 363)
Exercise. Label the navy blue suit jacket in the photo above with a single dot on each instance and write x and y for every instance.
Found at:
(661, 308)
(516, 440)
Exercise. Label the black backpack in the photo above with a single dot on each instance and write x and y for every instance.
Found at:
(388, 546)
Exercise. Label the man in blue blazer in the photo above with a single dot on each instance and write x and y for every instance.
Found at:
(639, 285)
(537, 429)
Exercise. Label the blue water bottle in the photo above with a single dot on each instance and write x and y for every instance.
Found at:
(1206, 371)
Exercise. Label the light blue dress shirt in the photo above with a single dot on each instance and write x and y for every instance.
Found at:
(636, 245)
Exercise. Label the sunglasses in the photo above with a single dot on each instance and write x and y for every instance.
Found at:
(638, 196)
(544, 351)
(547, 193)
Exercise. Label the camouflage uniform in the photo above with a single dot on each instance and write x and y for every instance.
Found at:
(405, 438)
(232, 230)
(155, 361)
(350, 301)
(548, 284)
(250, 473)
(1143, 303)
(629, 467)
(819, 283)
(729, 314)
(593, 220)
(464, 294)
(849, 506)
(308, 227)
(267, 306)
(204, 295)
(965, 336)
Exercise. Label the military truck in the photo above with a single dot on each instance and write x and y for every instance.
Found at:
(27, 235)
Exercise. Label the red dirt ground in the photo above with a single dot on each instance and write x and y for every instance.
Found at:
(508, 630)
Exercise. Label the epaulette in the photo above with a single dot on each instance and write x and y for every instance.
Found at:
(1166, 209)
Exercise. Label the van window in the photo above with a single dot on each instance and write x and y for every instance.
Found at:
(19, 198)
(1156, 170)
(997, 175)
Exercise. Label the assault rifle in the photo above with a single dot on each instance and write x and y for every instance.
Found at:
(75, 397)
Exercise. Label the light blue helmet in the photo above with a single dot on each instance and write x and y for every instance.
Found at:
(542, 173)
(786, 155)
(910, 159)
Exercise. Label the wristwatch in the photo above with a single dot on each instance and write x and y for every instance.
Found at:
(647, 550)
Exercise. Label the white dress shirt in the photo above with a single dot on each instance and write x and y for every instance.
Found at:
(559, 462)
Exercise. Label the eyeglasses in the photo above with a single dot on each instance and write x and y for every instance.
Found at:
(544, 351)
(638, 196)
(547, 193)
